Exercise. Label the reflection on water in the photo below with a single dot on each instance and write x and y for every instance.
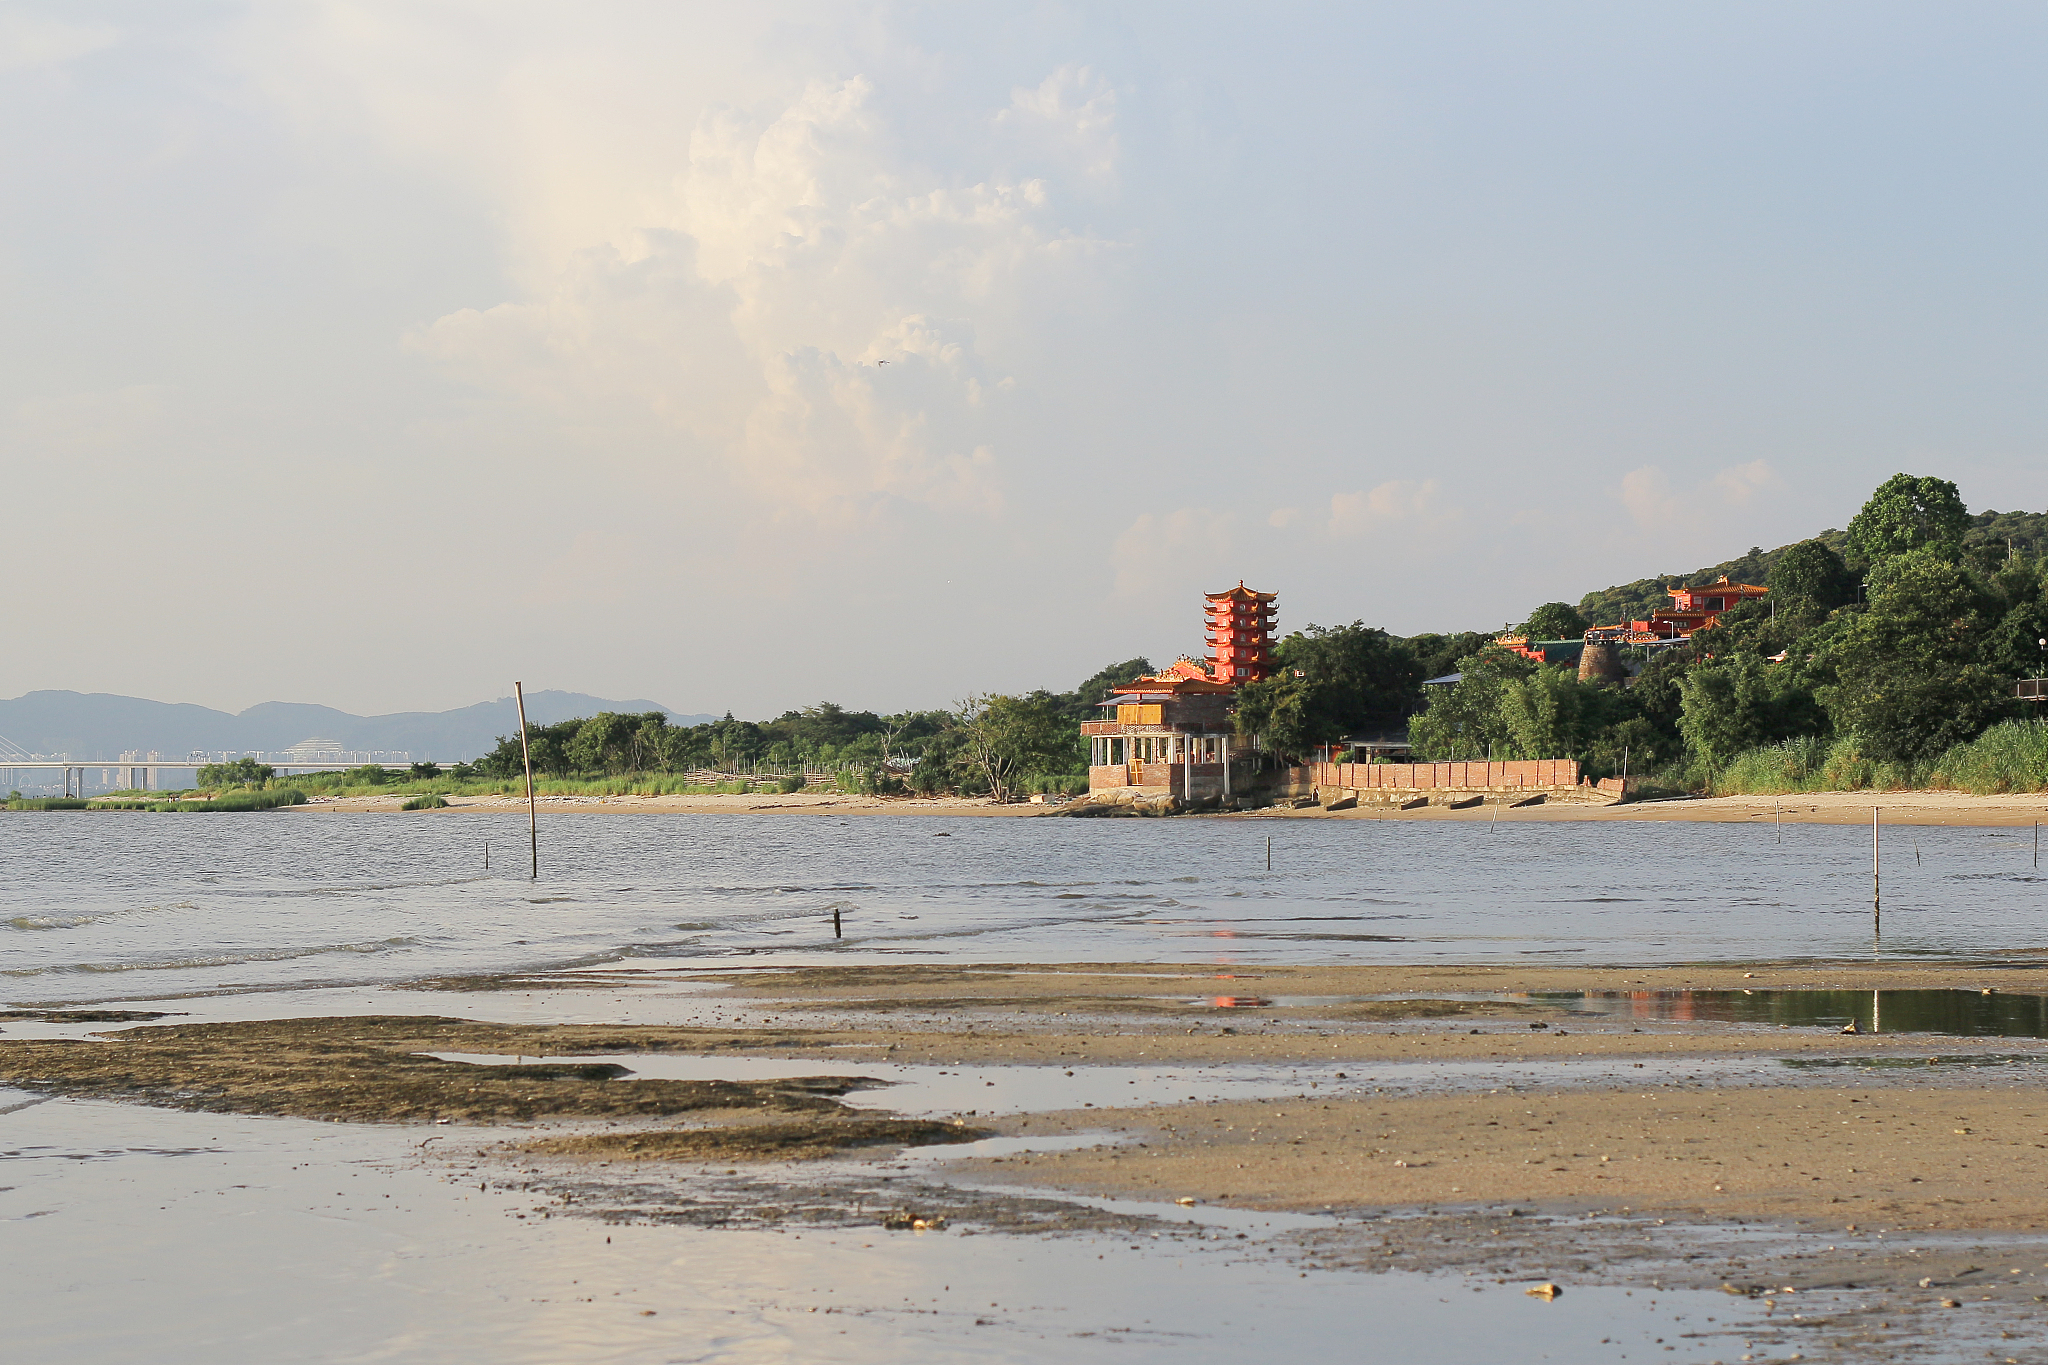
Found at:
(251, 1253)
(1963, 1013)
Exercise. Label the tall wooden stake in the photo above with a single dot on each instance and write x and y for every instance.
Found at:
(1876, 886)
(532, 812)
(1269, 853)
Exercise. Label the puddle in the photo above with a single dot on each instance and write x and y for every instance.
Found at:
(1966, 1014)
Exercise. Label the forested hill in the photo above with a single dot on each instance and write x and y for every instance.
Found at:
(2026, 532)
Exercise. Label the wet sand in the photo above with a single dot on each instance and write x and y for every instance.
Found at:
(1849, 1191)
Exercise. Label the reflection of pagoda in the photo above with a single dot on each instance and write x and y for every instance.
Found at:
(1170, 732)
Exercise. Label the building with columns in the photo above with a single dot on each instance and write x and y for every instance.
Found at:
(1171, 732)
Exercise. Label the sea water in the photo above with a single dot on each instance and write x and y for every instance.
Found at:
(107, 905)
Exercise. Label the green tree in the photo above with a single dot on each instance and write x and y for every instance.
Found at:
(1549, 713)
(1555, 621)
(1331, 683)
(1907, 681)
(1908, 512)
(239, 772)
(1740, 702)
(1466, 720)
(1082, 701)
(1005, 739)
(1810, 576)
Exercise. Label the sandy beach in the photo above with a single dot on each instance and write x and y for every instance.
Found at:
(1827, 808)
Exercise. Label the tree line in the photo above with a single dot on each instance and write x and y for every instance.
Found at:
(1896, 639)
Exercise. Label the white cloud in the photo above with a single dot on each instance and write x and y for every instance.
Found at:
(31, 40)
(1399, 504)
(791, 313)
(1657, 505)
(1162, 549)
(1072, 115)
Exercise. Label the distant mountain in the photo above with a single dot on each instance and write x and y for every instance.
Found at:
(102, 725)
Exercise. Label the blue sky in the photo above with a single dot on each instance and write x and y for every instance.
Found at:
(377, 354)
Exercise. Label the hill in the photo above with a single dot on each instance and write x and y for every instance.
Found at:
(103, 725)
(2025, 532)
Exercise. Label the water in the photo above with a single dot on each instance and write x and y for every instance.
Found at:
(276, 1240)
(101, 906)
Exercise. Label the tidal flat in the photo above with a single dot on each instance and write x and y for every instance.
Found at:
(1694, 1186)
(327, 1089)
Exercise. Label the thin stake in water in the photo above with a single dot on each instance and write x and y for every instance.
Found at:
(1876, 886)
(1269, 853)
(525, 753)
(835, 922)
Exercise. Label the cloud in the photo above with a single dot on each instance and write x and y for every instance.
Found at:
(1398, 504)
(1656, 505)
(30, 40)
(1160, 549)
(796, 313)
(1072, 116)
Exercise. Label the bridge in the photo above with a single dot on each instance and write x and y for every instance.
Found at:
(147, 775)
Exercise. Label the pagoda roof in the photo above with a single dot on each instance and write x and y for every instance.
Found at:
(1165, 686)
(1241, 593)
(1724, 585)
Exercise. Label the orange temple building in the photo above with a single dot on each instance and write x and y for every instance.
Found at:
(1171, 732)
(1240, 631)
(1692, 609)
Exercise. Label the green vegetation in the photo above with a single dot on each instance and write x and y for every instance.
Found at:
(269, 799)
(16, 801)
(428, 801)
(1884, 657)
(242, 772)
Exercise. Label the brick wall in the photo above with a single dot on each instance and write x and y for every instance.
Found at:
(1521, 774)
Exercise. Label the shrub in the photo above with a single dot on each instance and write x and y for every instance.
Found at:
(795, 782)
(431, 801)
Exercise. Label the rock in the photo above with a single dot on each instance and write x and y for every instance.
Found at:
(1850, 1027)
(1546, 1290)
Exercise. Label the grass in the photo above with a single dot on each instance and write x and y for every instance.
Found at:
(244, 800)
(46, 803)
(430, 801)
(2007, 758)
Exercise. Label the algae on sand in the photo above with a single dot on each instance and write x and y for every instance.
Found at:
(371, 1069)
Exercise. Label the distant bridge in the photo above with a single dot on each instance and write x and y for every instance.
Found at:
(147, 776)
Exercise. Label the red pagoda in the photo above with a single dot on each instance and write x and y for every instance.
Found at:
(1171, 731)
(1240, 631)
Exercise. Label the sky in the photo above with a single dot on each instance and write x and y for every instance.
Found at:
(748, 355)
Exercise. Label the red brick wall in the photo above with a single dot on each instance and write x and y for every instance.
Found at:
(1511, 776)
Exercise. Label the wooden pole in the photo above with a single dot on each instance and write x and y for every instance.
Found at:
(1269, 853)
(526, 754)
(835, 922)
(1876, 885)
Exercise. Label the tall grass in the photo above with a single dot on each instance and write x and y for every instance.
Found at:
(2009, 757)
(46, 803)
(269, 799)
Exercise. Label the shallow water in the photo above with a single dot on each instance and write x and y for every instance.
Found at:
(97, 906)
(278, 1240)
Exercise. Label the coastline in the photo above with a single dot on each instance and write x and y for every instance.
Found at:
(1824, 808)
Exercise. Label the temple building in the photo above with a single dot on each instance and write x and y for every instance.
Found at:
(1171, 732)
(1692, 609)
(1240, 632)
